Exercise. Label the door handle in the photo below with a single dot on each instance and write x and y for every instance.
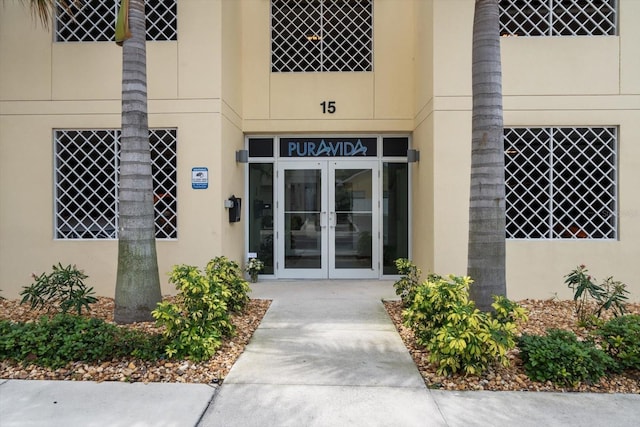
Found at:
(332, 219)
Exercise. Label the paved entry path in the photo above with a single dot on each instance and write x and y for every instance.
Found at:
(326, 354)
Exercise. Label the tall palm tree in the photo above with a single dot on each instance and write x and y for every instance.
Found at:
(138, 281)
(486, 255)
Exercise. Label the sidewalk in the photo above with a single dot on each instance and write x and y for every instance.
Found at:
(326, 354)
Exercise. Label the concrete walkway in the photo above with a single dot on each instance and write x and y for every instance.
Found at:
(326, 354)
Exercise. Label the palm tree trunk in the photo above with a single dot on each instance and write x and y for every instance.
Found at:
(138, 281)
(486, 256)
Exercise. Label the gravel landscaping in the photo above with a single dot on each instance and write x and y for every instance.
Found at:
(542, 315)
(182, 371)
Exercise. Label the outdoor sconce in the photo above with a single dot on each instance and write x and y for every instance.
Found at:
(242, 156)
(413, 156)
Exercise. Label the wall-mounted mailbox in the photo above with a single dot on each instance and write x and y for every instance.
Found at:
(234, 205)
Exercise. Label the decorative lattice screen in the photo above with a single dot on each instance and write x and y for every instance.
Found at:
(86, 183)
(314, 35)
(558, 17)
(94, 20)
(561, 183)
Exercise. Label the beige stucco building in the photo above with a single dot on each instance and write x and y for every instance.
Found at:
(312, 113)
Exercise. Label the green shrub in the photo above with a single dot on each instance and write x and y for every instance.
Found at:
(63, 338)
(228, 273)
(611, 295)
(63, 289)
(559, 357)
(198, 319)
(458, 336)
(406, 286)
(620, 338)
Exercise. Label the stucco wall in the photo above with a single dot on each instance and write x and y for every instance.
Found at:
(214, 84)
(547, 81)
(378, 101)
(77, 86)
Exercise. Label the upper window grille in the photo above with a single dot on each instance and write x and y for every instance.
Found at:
(561, 183)
(94, 20)
(86, 183)
(558, 17)
(317, 36)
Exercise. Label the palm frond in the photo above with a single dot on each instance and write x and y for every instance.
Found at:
(45, 10)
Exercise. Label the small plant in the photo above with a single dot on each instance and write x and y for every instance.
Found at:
(620, 338)
(228, 274)
(61, 290)
(198, 319)
(611, 295)
(458, 336)
(559, 357)
(63, 338)
(254, 267)
(406, 286)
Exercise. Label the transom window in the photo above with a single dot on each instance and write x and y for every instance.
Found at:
(316, 36)
(94, 20)
(558, 17)
(561, 183)
(86, 183)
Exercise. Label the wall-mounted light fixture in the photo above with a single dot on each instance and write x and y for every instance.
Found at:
(413, 156)
(242, 156)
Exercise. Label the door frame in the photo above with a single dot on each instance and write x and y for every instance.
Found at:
(354, 273)
(327, 219)
(280, 269)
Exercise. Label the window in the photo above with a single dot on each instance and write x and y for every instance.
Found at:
(261, 236)
(558, 17)
(94, 20)
(314, 35)
(561, 183)
(86, 183)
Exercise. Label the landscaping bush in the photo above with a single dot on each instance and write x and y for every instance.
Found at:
(61, 290)
(458, 336)
(610, 295)
(559, 357)
(406, 286)
(63, 338)
(198, 319)
(228, 273)
(620, 338)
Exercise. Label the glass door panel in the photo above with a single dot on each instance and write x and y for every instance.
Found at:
(303, 243)
(352, 222)
(328, 220)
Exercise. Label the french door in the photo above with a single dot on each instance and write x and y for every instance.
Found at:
(328, 224)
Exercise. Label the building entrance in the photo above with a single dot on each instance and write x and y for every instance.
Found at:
(332, 207)
(328, 219)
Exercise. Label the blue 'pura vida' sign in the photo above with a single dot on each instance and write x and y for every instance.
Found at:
(328, 147)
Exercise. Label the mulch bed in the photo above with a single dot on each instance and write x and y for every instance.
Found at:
(182, 371)
(542, 315)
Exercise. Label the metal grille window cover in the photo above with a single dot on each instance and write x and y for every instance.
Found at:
(320, 36)
(561, 183)
(558, 17)
(94, 20)
(86, 183)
